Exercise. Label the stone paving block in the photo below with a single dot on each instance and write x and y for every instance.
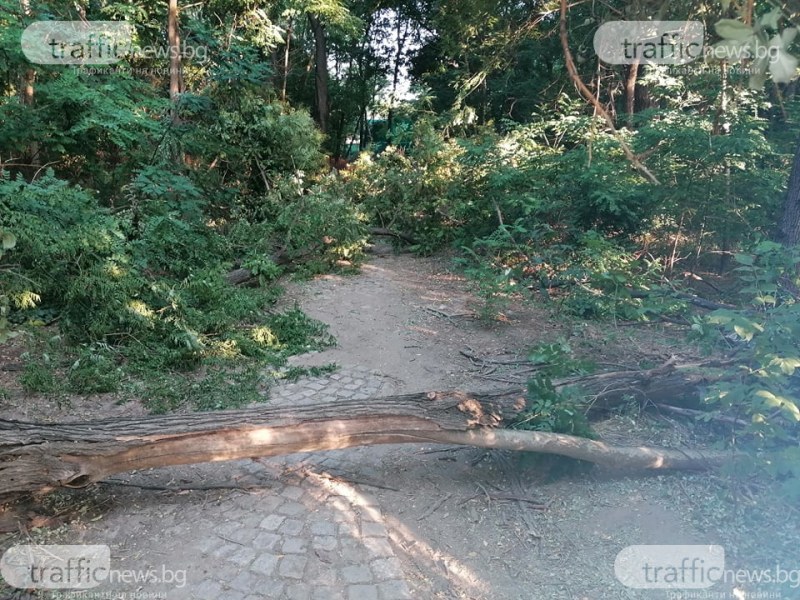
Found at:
(207, 590)
(242, 557)
(246, 581)
(270, 590)
(292, 492)
(292, 508)
(294, 545)
(299, 591)
(350, 529)
(222, 572)
(208, 544)
(252, 521)
(265, 563)
(373, 529)
(323, 528)
(264, 503)
(224, 549)
(353, 553)
(272, 522)
(293, 566)
(356, 574)
(291, 527)
(235, 514)
(326, 592)
(235, 532)
(396, 589)
(386, 568)
(321, 572)
(266, 541)
(362, 592)
(378, 547)
(232, 595)
(324, 542)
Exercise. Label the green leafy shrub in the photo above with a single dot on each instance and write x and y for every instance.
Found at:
(763, 386)
(39, 376)
(7, 241)
(94, 372)
(549, 409)
(410, 190)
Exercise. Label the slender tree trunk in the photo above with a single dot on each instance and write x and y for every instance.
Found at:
(630, 90)
(322, 101)
(789, 230)
(174, 39)
(402, 33)
(286, 59)
(28, 97)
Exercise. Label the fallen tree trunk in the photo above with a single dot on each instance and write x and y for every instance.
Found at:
(42, 457)
(384, 231)
(242, 276)
(671, 383)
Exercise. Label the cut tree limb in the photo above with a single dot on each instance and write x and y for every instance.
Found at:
(41, 457)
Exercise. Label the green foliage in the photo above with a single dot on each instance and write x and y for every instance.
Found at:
(219, 387)
(38, 376)
(94, 371)
(320, 226)
(763, 387)
(7, 242)
(548, 409)
(294, 373)
(141, 305)
(410, 190)
(767, 336)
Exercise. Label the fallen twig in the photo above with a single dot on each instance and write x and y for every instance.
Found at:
(435, 507)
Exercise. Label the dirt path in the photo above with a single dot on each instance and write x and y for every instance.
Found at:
(415, 522)
(409, 319)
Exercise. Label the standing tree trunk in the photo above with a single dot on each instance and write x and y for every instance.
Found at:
(286, 59)
(27, 98)
(174, 40)
(401, 35)
(321, 101)
(790, 221)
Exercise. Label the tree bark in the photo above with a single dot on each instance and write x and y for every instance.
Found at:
(321, 100)
(630, 90)
(286, 59)
(37, 458)
(28, 99)
(174, 40)
(789, 230)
